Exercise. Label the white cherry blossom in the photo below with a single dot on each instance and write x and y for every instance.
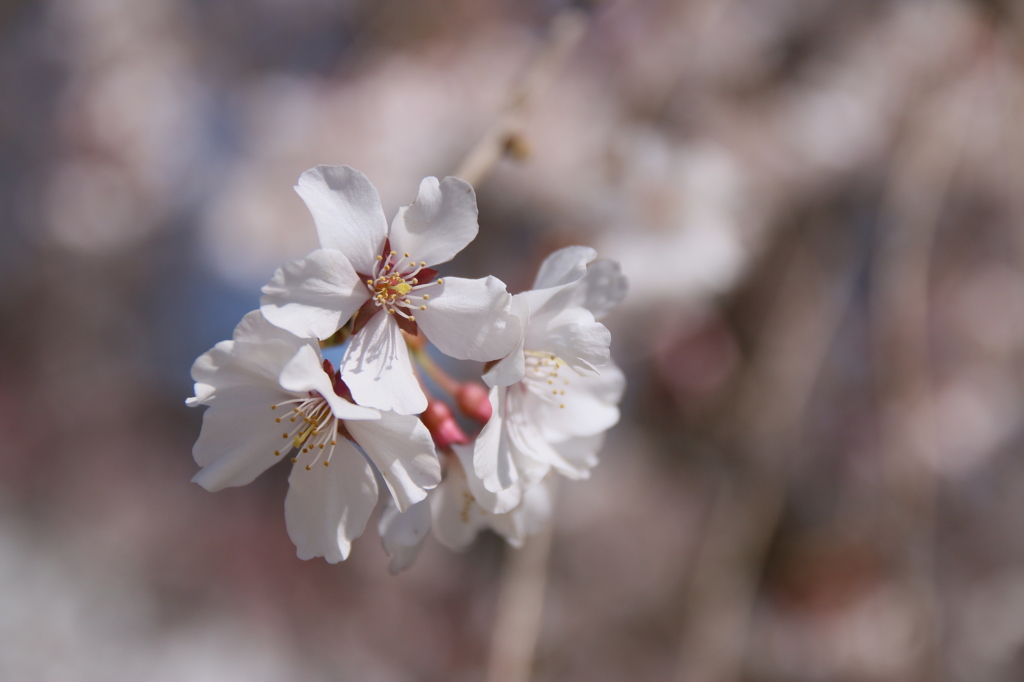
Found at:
(458, 509)
(557, 392)
(461, 506)
(384, 277)
(270, 394)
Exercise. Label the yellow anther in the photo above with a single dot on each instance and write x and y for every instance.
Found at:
(334, 442)
(326, 463)
(423, 263)
(273, 407)
(278, 420)
(440, 281)
(277, 453)
(294, 460)
(406, 255)
(562, 405)
(284, 435)
(550, 381)
(380, 257)
(426, 297)
(555, 392)
(394, 253)
(308, 467)
(423, 307)
(412, 318)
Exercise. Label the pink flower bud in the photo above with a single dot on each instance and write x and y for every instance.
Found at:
(473, 402)
(440, 421)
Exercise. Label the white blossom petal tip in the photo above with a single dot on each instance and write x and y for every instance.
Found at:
(314, 296)
(347, 212)
(471, 319)
(564, 266)
(439, 223)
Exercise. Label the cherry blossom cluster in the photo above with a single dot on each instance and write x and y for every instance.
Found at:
(387, 413)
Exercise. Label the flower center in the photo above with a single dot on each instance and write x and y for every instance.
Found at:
(544, 376)
(311, 425)
(395, 284)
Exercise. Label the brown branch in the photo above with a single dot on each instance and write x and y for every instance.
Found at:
(503, 136)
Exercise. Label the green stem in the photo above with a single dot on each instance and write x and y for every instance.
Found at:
(436, 374)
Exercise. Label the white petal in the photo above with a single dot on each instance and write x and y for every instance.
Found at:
(255, 328)
(581, 452)
(573, 336)
(328, 507)
(239, 437)
(255, 355)
(591, 406)
(495, 503)
(233, 364)
(530, 517)
(559, 272)
(305, 372)
(492, 459)
(439, 224)
(456, 517)
(403, 557)
(205, 372)
(402, 534)
(347, 212)
(401, 448)
(470, 319)
(378, 370)
(529, 446)
(313, 297)
(564, 266)
(602, 289)
(512, 367)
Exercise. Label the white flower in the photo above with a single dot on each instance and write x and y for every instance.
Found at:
(458, 509)
(270, 393)
(385, 277)
(461, 506)
(557, 393)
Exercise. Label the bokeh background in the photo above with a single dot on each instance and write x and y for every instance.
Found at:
(819, 473)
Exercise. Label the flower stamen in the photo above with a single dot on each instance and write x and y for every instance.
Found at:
(393, 282)
(543, 370)
(314, 432)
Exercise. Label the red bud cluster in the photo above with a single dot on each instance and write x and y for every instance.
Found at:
(473, 402)
(440, 421)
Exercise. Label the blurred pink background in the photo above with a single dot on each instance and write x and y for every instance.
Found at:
(819, 204)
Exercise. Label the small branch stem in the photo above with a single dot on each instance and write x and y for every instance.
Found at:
(567, 28)
(445, 382)
(521, 600)
(520, 610)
